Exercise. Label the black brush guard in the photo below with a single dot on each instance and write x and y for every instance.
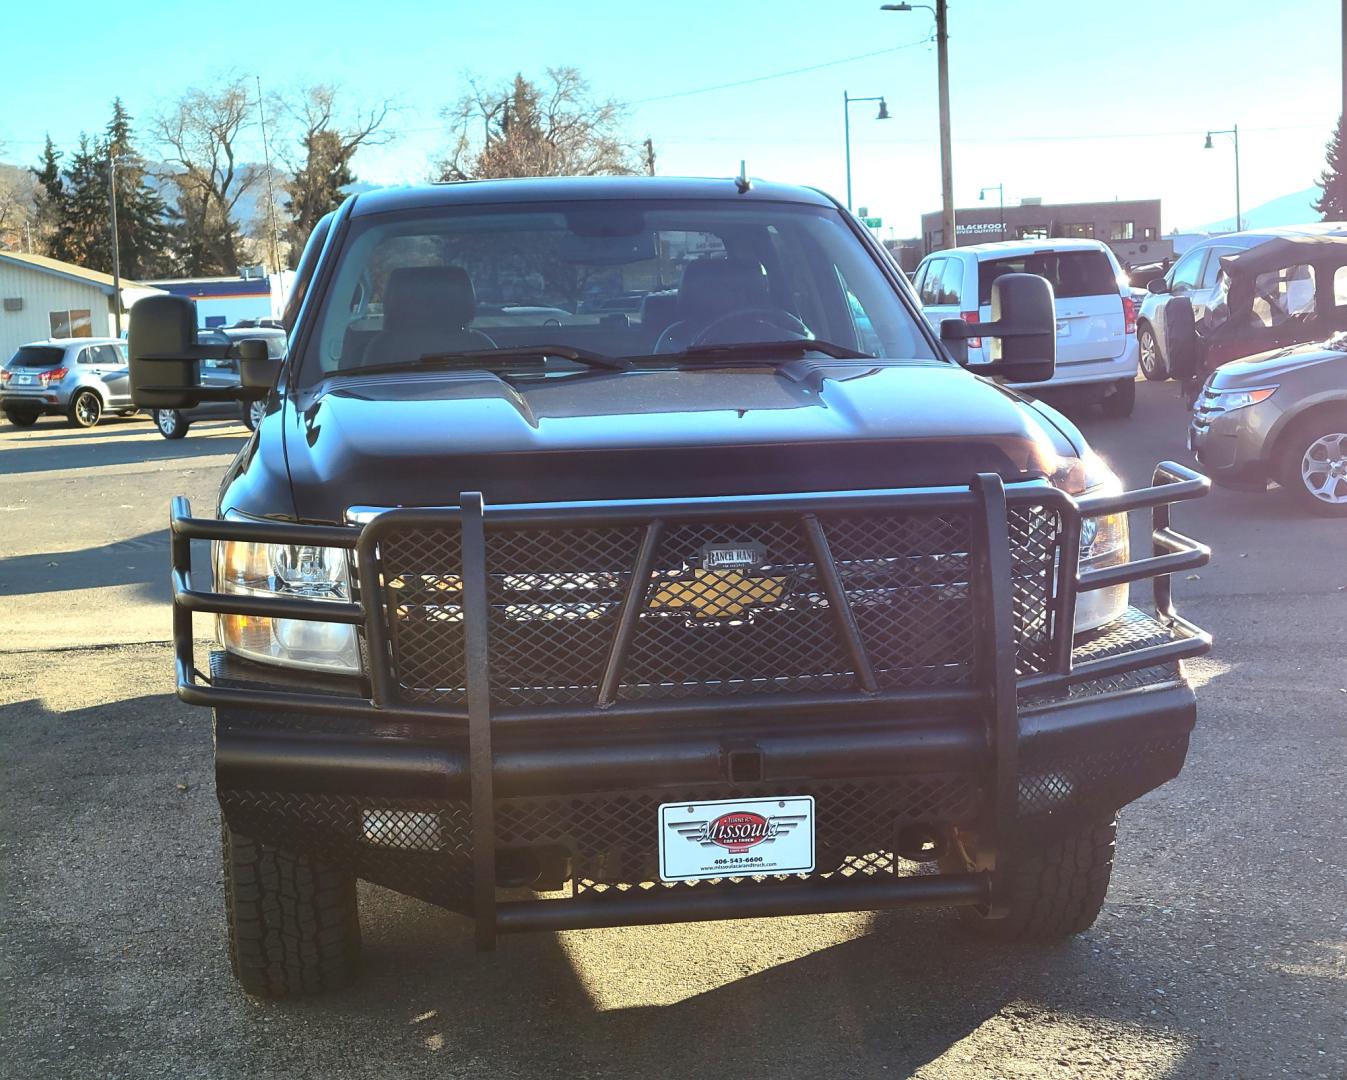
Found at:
(993, 693)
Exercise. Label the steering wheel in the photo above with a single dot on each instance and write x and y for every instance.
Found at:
(771, 318)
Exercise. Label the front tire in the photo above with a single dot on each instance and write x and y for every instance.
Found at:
(21, 417)
(86, 409)
(1313, 464)
(294, 922)
(253, 412)
(1055, 889)
(1122, 401)
(171, 423)
(1149, 358)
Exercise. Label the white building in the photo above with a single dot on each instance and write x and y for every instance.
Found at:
(45, 298)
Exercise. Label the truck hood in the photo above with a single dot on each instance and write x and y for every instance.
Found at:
(1256, 370)
(422, 438)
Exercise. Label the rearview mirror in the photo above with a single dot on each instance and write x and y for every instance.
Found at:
(1023, 330)
(257, 370)
(1180, 338)
(164, 361)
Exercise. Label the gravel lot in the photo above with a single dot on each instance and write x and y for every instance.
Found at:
(1222, 951)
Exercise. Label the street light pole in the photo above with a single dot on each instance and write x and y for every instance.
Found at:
(116, 246)
(847, 102)
(947, 223)
(1234, 133)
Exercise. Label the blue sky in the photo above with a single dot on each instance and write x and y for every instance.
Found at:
(1069, 101)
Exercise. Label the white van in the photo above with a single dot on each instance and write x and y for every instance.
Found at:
(1096, 316)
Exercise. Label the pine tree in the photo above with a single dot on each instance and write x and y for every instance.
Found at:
(51, 203)
(143, 233)
(1332, 202)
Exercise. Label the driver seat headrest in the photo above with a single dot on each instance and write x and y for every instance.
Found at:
(430, 297)
(712, 287)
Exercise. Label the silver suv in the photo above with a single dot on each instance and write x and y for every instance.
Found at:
(78, 378)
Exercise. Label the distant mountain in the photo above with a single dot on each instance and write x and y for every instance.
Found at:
(1294, 209)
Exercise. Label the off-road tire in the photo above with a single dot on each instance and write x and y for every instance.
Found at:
(86, 409)
(1122, 401)
(177, 430)
(1291, 450)
(1055, 889)
(294, 925)
(22, 417)
(1156, 370)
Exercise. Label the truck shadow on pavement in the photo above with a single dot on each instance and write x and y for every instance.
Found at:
(60, 454)
(141, 561)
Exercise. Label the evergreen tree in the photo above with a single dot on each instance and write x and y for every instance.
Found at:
(1332, 202)
(51, 203)
(143, 232)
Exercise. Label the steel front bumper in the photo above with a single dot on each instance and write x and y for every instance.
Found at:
(448, 806)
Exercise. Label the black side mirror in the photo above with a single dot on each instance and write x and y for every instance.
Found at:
(1157, 285)
(165, 365)
(257, 369)
(1180, 338)
(955, 340)
(1023, 330)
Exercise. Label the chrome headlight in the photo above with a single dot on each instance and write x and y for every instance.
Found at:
(294, 570)
(1230, 400)
(1103, 540)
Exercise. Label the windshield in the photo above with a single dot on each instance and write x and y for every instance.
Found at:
(633, 279)
(37, 356)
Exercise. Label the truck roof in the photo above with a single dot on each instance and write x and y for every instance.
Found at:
(577, 188)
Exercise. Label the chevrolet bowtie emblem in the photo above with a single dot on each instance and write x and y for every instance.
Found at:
(720, 588)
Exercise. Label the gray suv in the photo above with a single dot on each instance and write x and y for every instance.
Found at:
(78, 378)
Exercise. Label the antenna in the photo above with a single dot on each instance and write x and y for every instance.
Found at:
(271, 195)
(742, 182)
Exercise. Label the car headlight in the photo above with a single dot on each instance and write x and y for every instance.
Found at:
(1103, 539)
(1230, 400)
(293, 570)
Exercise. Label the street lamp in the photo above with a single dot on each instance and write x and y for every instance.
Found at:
(1000, 190)
(847, 102)
(1234, 133)
(942, 63)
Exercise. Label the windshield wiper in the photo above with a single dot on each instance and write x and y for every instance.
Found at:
(769, 350)
(476, 356)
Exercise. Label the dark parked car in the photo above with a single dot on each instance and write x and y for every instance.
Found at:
(1273, 350)
(221, 372)
(743, 608)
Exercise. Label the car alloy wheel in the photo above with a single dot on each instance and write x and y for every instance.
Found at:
(86, 409)
(1323, 469)
(170, 423)
(256, 411)
(1151, 365)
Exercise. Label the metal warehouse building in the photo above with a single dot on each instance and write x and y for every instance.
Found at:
(46, 298)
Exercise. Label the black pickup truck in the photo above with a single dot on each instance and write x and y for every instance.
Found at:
(757, 599)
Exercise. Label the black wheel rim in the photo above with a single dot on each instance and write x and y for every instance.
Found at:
(86, 410)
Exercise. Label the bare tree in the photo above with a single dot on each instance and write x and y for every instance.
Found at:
(525, 129)
(326, 142)
(200, 134)
(18, 205)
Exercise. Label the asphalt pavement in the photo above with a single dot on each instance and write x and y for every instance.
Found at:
(1222, 951)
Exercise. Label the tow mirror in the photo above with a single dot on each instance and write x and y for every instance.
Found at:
(257, 369)
(1023, 331)
(165, 364)
(1180, 338)
(1157, 285)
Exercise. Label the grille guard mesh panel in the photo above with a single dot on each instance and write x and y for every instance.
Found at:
(555, 598)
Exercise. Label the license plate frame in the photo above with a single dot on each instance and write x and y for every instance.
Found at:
(770, 834)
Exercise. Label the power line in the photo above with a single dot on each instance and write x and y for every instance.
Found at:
(779, 74)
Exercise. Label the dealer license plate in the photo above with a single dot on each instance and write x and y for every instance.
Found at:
(736, 838)
(23, 380)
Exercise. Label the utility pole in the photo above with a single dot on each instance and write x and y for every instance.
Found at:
(1344, 58)
(946, 164)
(271, 194)
(941, 14)
(650, 151)
(116, 247)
